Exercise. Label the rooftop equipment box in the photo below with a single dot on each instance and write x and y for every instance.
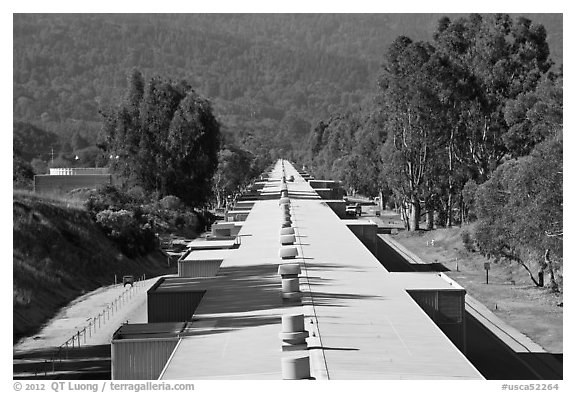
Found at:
(224, 230)
(244, 205)
(237, 215)
(194, 269)
(140, 351)
(173, 300)
(212, 243)
(201, 263)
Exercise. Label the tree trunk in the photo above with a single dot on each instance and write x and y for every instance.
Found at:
(405, 215)
(430, 219)
(515, 258)
(414, 214)
(463, 213)
(429, 214)
(553, 283)
(381, 202)
(449, 209)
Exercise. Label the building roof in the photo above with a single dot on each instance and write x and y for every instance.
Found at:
(362, 322)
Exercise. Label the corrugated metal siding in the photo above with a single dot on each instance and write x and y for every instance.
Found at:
(446, 309)
(450, 307)
(140, 359)
(427, 300)
(173, 306)
(207, 268)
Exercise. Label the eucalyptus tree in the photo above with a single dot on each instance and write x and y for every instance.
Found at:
(163, 137)
(520, 210)
(496, 59)
(411, 122)
(235, 169)
(533, 116)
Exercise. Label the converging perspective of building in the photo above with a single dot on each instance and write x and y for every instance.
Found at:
(261, 196)
(288, 290)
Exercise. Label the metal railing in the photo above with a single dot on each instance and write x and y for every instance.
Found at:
(82, 336)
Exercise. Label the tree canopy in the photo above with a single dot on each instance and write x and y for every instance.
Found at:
(163, 137)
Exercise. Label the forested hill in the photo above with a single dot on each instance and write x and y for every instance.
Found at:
(269, 76)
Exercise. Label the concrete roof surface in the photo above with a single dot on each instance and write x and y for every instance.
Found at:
(362, 322)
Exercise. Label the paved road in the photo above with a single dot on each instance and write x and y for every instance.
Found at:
(126, 304)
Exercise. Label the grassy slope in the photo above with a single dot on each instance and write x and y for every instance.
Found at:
(59, 254)
(510, 294)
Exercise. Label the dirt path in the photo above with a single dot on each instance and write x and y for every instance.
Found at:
(114, 304)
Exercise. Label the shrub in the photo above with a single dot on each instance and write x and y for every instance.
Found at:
(117, 222)
(468, 241)
(107, 198)
(171, 202)
(132, 237)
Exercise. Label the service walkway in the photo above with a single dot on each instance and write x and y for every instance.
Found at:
(362, 322)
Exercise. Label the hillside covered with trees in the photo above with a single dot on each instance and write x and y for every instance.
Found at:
(269, 77)
(466, 127)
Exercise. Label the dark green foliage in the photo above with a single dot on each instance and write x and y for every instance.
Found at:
(236, 167)
(346, 147)
(443, 114)
(128, 232)
(469, 199)
(164, 138)
(59, 254)
(257, 69)
(533, 116)
(109, 198)
(22, 173)
(78, 142)
(412, 121)
(467, 240)
(33, 142)
(520, 207)
(89, 157)
(133, 219)
(39, 166)
(496, 59)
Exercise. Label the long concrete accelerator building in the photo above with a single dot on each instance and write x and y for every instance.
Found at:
(301, 297)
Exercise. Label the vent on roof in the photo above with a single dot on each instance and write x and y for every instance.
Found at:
(296, 367)
(289, 270)
(293, 334)
(288, 252)
(291, 289)
(287, 231)
(287, 239)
